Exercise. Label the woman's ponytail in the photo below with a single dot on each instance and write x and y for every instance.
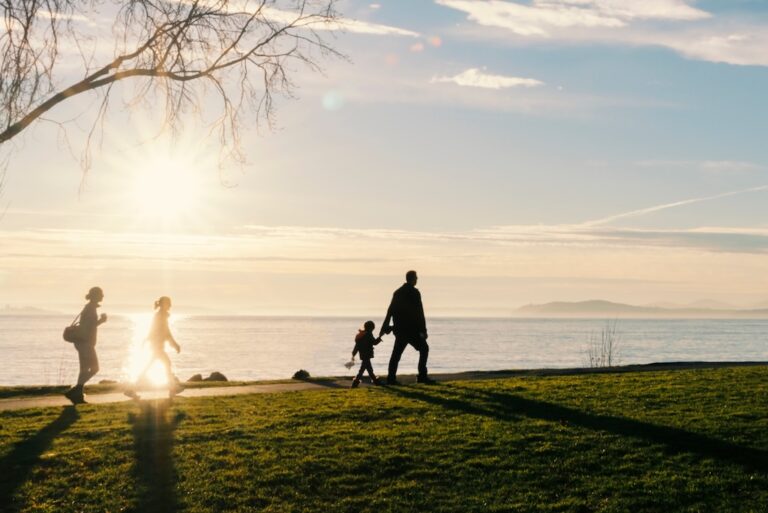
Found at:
(161, 300)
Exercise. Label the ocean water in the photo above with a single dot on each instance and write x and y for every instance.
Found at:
(250, 348)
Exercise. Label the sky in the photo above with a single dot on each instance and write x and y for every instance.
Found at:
(510, 152)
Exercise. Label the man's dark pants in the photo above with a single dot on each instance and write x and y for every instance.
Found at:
(401, 341)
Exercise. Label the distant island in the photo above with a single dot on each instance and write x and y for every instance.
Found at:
(600, 308)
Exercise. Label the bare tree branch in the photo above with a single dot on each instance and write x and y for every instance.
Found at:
(174, 50)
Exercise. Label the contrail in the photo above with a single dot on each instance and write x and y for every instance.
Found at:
(649, 210)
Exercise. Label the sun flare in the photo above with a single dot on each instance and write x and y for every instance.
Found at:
(166, 188)
(140, 355)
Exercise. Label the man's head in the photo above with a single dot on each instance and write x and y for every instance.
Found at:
(411, 278)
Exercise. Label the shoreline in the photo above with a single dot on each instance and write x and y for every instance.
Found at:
(11, 395)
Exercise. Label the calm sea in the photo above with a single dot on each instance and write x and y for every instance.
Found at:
(251, 348)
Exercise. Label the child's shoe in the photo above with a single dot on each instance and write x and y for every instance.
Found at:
(355, 382)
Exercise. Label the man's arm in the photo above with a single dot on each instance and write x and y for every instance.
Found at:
(422, 319)
(385, 324)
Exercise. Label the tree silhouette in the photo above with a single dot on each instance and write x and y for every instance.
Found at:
(176, 51)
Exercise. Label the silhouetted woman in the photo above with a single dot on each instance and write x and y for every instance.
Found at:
(86, 345)
(159, 334)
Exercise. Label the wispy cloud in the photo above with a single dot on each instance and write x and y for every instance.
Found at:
(474, 77)
(276, 249)
(728, 166)
(343, 24)
(543, 17)
(715, 166)
(674, 24)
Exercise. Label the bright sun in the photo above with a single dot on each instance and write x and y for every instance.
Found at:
(166, 189)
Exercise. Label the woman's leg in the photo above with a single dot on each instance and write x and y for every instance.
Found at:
(163, 357)
(143, 374)
(89, 363)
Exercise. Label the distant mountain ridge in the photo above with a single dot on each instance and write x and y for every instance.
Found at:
(25, 310)
(702, 304)
(602, 308)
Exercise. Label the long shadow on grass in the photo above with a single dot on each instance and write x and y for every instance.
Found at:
(155, 474)
(18, 464)
(511, 407)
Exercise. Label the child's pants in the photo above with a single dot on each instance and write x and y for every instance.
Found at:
(365, 365)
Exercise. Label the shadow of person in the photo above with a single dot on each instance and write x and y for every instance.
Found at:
(155, 474)
(508, 407)
(18, 464)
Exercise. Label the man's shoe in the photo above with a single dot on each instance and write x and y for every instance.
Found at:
(377, 382)
(355, 383)
(425, 380)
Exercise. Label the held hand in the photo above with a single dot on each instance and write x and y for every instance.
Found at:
(378, 340)
(103, 318)
(423, 335)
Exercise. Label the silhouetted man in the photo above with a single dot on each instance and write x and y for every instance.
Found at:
(410, 327)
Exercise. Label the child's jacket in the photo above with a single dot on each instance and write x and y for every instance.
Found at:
(364, 342)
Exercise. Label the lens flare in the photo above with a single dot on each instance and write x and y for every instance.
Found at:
(139, 358)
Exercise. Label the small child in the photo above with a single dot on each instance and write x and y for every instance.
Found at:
(364, 342)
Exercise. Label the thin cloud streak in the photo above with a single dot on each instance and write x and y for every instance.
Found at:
(666, 206)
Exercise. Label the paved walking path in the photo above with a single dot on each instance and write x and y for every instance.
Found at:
(117, 397)
(271, 388)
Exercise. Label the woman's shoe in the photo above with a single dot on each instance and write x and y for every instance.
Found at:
(75, 396)
(355, 383)
(175, 389)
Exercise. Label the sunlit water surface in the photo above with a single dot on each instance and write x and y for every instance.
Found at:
(251, 348)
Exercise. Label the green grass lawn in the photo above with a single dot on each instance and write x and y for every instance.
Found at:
(638, 442)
